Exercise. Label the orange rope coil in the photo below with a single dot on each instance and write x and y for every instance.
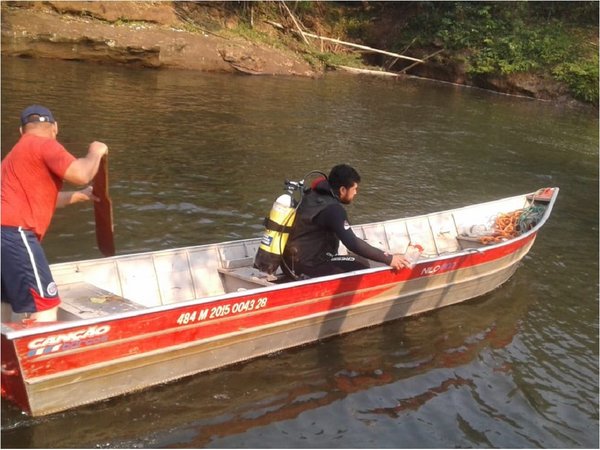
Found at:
(505, 227)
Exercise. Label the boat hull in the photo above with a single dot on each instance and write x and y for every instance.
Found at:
(56, 381)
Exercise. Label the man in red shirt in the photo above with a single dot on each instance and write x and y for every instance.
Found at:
(32, 176)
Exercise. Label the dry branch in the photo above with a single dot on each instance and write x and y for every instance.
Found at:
(295, 22)
(419, 62)
(362, 47)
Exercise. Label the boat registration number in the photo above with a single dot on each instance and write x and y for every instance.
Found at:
(215, 312)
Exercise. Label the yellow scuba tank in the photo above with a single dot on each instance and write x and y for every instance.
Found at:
(277, 231)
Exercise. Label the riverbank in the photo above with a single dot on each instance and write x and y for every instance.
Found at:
(152, 35)
(249, 37)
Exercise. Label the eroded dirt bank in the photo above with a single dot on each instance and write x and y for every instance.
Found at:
(151, 36)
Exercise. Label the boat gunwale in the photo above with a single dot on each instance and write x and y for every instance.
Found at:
(12, 334)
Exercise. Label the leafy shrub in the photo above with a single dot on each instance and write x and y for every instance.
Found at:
(582, 79)
(502, 38)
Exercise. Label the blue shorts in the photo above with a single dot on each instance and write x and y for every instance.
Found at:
(27, 282)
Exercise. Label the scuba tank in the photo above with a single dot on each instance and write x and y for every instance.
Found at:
(279, 225)
(277, 229)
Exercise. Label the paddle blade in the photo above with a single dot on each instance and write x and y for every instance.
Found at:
(103, 210)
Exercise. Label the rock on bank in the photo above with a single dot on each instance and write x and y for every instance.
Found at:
(147, 34)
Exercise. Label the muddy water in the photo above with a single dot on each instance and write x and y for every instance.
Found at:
(197, 158)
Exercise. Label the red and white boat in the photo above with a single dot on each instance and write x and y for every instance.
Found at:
(132, 321)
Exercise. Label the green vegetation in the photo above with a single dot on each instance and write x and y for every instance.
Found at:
(558, 39)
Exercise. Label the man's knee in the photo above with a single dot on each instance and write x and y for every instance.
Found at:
(48, 315)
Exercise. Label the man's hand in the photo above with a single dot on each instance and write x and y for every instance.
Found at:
(399, 262)
(98, 148)
(70, 197)
(84, 195)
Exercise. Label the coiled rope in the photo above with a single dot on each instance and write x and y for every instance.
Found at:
(510, 225)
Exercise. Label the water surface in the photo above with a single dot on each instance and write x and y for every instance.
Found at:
(197, 158)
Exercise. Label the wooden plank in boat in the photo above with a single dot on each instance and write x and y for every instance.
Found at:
(243, 278)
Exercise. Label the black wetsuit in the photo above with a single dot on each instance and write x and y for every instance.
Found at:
(321, 223)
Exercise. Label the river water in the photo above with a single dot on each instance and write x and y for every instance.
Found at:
(197, 158)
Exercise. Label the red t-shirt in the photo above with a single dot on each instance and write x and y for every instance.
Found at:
(32, 176)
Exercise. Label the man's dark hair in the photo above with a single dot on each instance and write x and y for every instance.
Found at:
(343, 175)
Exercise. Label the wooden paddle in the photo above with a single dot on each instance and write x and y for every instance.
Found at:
(103, 210)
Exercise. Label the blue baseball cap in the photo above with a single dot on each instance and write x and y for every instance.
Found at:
(36, 113)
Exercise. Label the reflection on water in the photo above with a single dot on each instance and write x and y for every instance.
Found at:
(383, 373)
(197, 158)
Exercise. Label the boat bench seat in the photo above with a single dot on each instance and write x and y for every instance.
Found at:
(81, 300)
(244, 278)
